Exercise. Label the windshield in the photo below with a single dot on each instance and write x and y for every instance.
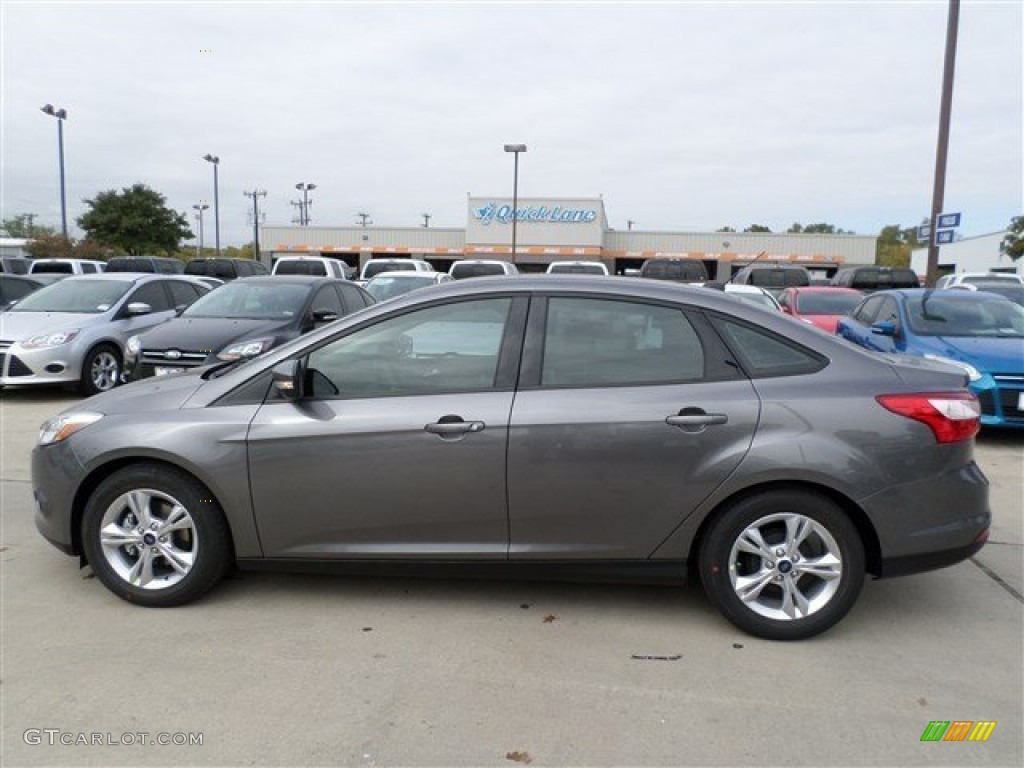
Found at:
(1012, 291)
(53, 267)
(376, 267)
(993, 279)
(73, 295)
(386, 287)
(776, 278)
(933, 315)
(221, 268)
(578, 269)
(300, 267)
(827, 303)
(255, 301)
(462, 271)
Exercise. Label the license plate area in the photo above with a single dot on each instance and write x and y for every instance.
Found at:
(164, 370)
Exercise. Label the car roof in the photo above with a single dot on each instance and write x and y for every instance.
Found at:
(291, 279)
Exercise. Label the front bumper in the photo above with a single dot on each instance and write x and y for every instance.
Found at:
(1002, 400)
(56, 475)
(50, 365)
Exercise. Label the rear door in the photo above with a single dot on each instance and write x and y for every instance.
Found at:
(626, 419)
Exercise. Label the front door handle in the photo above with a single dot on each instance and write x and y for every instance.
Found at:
(450, 426)
(696, 419)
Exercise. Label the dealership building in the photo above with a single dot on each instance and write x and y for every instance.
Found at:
(563, 229)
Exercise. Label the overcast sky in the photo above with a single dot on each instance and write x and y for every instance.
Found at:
(683, 116)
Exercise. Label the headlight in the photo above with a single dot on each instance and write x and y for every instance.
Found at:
(972, 373)
(65, 425)
(242, 349)
(132, 348)
(49, 339)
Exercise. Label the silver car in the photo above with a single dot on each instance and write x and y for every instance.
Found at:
(567, 427)
(74, 331)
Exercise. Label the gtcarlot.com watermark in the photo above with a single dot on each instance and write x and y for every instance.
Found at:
(56, 737)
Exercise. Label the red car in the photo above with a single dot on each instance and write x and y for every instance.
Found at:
(821, 306)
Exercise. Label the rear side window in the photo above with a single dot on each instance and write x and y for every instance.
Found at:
(183, 293)
(764, 354)
(600, 342)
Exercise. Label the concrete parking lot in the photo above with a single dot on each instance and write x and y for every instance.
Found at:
(290, 670)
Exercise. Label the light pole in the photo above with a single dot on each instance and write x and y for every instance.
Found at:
(515, 149)
(216, 199)
(364, 219)
(426, 219)
(200, 207)
(304, 187)
(61, 115)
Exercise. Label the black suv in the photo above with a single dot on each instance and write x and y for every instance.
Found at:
(160, 264)
(869, 279)
(224, 268)
(774, 278)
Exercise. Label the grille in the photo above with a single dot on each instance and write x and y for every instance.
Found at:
(1009, 400)
(16, 367)
(987, 403)
(187, 359)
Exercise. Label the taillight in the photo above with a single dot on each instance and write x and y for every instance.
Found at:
(952, 416)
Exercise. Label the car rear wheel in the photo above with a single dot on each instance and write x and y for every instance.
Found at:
(101, 370)
(155, 536)
(783, 565)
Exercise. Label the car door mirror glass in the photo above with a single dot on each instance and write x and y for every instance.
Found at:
(286, 379)
(138, 308)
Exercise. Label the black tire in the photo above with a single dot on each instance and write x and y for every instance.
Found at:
(101, 369)
(779, 608)
(201, 539)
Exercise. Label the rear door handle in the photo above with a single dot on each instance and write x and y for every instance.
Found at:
(447, 426)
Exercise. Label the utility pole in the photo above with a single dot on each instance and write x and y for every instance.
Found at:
(297, 204)
(426, 219)
(629, 225)
(945, 108)
(305, 188)
(364, 219)
(256, 194)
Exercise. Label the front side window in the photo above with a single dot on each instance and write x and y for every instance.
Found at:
(152, 294)
(601, 342)
(448, 348)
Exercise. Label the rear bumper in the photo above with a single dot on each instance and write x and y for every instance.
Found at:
(931, 523)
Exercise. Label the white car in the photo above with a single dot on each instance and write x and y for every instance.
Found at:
(464, 268)
(390, 285)
(374, 267)
(577, 268)
(749, 293)
(310, 265)
(67, 267)
(980, 280)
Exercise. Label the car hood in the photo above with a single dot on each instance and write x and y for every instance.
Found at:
(163, 393)
(17, 326)
(209, 333)
(986, 353)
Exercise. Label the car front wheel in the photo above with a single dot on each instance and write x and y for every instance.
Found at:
(155, 536)
(101, 370)
(783, 564)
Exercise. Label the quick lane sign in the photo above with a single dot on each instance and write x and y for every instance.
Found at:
(555, 214)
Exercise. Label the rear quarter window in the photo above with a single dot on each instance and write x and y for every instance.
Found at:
(763, 354)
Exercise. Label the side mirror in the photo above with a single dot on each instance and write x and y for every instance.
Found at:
(324, 316)
(179, 309)
(137, 308)
(884, 328)
(286, 377)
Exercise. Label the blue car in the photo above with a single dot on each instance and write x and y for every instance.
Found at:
(979, 332)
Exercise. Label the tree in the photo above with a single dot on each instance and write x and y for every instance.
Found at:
(822, 229)
(757, 228)
(1013, 244)
(795, 228)
(725, 229)
(60, 247)
(22, 226)
(136, 220)
(894, 245)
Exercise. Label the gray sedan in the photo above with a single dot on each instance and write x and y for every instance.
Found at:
(74, 331)
(546, 427)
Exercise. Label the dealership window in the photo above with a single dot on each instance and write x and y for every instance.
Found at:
(448, 348)
(600, 342)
